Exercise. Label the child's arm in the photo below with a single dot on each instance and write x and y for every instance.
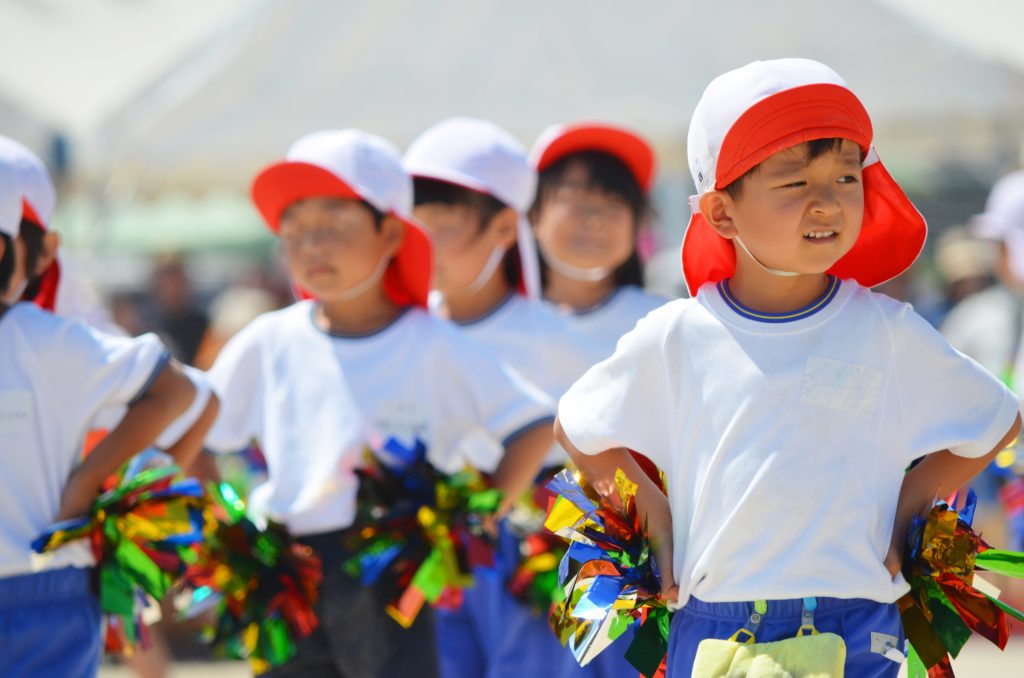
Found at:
(165, 400)
(521, 463)
(188, 448)
(652, 504)
(938, 475)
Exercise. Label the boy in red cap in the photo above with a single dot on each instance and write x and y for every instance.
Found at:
(785, 399)
(358, 363)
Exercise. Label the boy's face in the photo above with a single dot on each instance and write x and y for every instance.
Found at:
(796, 214)
(462, 245)
(331, 245)
(584, 226)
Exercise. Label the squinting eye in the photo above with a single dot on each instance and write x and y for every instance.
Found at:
(795, 184)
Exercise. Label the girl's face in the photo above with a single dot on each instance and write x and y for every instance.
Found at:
(584, 226)
(331, 245)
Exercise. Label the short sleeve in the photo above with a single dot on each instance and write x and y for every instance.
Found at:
(625, 400)
(947, 401)
(237, 379)
(180, 426)
(107, 370)
(481, 406)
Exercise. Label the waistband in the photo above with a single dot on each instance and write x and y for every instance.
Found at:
(790, 608)
(69, 583)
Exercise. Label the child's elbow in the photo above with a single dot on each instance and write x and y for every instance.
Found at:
(174, 390)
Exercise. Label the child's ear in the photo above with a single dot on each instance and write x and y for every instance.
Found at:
(504, 225)
(716, 208)
(393, 230)
(51, 243)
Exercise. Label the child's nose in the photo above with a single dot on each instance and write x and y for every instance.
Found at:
(825, 201)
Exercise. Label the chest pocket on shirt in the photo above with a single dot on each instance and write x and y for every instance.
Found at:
(842, 386)
(15, 411)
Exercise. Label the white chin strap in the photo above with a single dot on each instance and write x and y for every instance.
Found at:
(595, 274)
(773, 271)
(487, 272)
(370, 281)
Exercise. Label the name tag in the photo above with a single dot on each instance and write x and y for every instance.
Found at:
(16, 410)
(841, 385)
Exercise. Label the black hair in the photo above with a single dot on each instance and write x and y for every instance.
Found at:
(375, 213)
(6, 261)
(608, 174)
(33, 236)
(815, 149)
(486, 206)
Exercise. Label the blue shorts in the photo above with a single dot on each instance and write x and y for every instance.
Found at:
(50, 625)
(494, 635)
(854, 620)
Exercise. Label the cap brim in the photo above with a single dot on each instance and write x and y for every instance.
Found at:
(788, 118)
(284, 183)
(628, 147)
(891, 238)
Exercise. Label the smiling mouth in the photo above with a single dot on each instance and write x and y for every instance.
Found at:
(823, 236)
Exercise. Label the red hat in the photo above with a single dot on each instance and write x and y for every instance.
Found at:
(558, 141)
(753, 112)
(352, 164)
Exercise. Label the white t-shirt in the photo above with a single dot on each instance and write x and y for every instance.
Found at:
(55, 376)
(785, 443)
(538, 344)
(606, 322)
(314, 401)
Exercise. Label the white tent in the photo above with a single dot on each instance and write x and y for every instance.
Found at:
(239, 99)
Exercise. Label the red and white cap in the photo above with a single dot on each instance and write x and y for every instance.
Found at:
(558, 141)
(753, 112)
(357, 165)
(1003, 219)
(483, 157)
(38, 201)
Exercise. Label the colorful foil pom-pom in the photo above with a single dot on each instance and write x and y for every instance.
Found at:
(534, 580)
(421, 529)
(262, 583)
(139, 531)
(609, 578)
(945, 606)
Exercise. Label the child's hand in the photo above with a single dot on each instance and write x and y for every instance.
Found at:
(659, 532)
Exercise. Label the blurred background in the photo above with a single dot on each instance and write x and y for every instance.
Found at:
(154, 115)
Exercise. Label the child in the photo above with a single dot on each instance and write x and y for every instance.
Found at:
(592, 197)
(55, 375)
(785, 400)
(359, 363)
(473, 183)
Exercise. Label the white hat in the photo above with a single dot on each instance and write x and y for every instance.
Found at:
(749, 114)
(356, 165)
(10, 199)
(479, 155)
(36, 186)
(1003, 219)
